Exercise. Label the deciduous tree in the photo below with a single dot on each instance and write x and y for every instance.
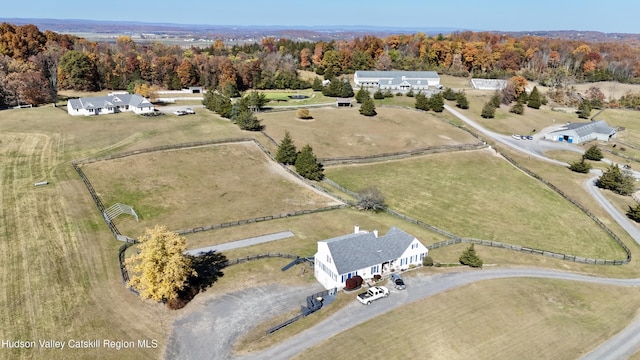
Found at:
(370, 198)
(160, 269)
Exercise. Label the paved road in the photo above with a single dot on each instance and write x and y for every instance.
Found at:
(418, 288)
(241, 243)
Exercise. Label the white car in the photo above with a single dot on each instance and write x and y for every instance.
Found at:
(189, 111)
(180, 112)
(516, 136)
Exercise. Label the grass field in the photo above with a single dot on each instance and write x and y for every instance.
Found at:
(484, 197)
(344, 132)
(197, 187)
(559, 320)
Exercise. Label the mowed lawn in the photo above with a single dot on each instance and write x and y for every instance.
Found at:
(495, 319)
(477, 194)
(344, 132)
(200, 186)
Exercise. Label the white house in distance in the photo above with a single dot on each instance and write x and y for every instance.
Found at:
(397, 80)
(366, 254)
(113, 103)
(580, 132)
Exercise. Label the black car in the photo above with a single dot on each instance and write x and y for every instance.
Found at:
(397, 281)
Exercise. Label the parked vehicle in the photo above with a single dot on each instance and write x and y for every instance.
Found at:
(398, 282)
(189, 111)
(373, 294)
(180, 112)
(529, 137)
(516, 136)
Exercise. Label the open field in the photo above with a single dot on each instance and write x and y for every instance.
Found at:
(344, 132)
(281, 98)
(502, 204)
(200, 186)
(60, 279)
(558, 319)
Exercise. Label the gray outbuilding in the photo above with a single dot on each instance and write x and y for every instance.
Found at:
(576, 133)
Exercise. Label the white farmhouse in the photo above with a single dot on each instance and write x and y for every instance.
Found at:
(365, 254)
(113, 103)
(580, 132)
(398, 80)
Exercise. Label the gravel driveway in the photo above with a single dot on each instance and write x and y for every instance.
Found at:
(210, 330)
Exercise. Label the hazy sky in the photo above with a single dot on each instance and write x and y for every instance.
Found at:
(512, 15)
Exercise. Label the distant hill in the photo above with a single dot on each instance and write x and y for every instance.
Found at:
(298, 33)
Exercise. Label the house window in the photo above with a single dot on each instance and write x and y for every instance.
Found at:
(375, 269)
(329, 259)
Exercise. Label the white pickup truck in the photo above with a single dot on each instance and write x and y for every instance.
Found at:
(373, 294)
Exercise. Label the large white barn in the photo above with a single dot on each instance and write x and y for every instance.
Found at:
(581, 132)
(397, 80)
(366, 254)
(111, 104)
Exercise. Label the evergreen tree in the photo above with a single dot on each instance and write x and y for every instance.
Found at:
(317, 84)
(368, 108)
(246, 120)
(634, 213)
(616, 180)
(346, 91)
(378, 95)
(411, 93)
(436, 102)
(584, 110)
(160, 269)
(593, 153)
(287, 152)
(580, 166)
(461, 100)
(535, 101)
(307, 164)
(470, 258)
(517, 108)
(449, 94)
(362, 94)
(421, 102)
(488, 111)
(496, 100)
(256, 100)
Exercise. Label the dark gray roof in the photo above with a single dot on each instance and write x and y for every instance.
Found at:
(586, 128)
(357, 251)
(398, 74)
(109, 101)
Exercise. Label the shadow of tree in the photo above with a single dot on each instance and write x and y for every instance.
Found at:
(208, 267)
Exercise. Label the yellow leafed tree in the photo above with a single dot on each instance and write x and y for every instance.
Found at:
(160, 269)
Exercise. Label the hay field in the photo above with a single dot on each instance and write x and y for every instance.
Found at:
(200, 186)
(477, 194)
(58, 272)
(344, 132)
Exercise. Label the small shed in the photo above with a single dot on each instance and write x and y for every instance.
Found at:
(343, 102)
(195, 90)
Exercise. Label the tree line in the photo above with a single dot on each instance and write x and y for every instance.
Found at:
(35, 65)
